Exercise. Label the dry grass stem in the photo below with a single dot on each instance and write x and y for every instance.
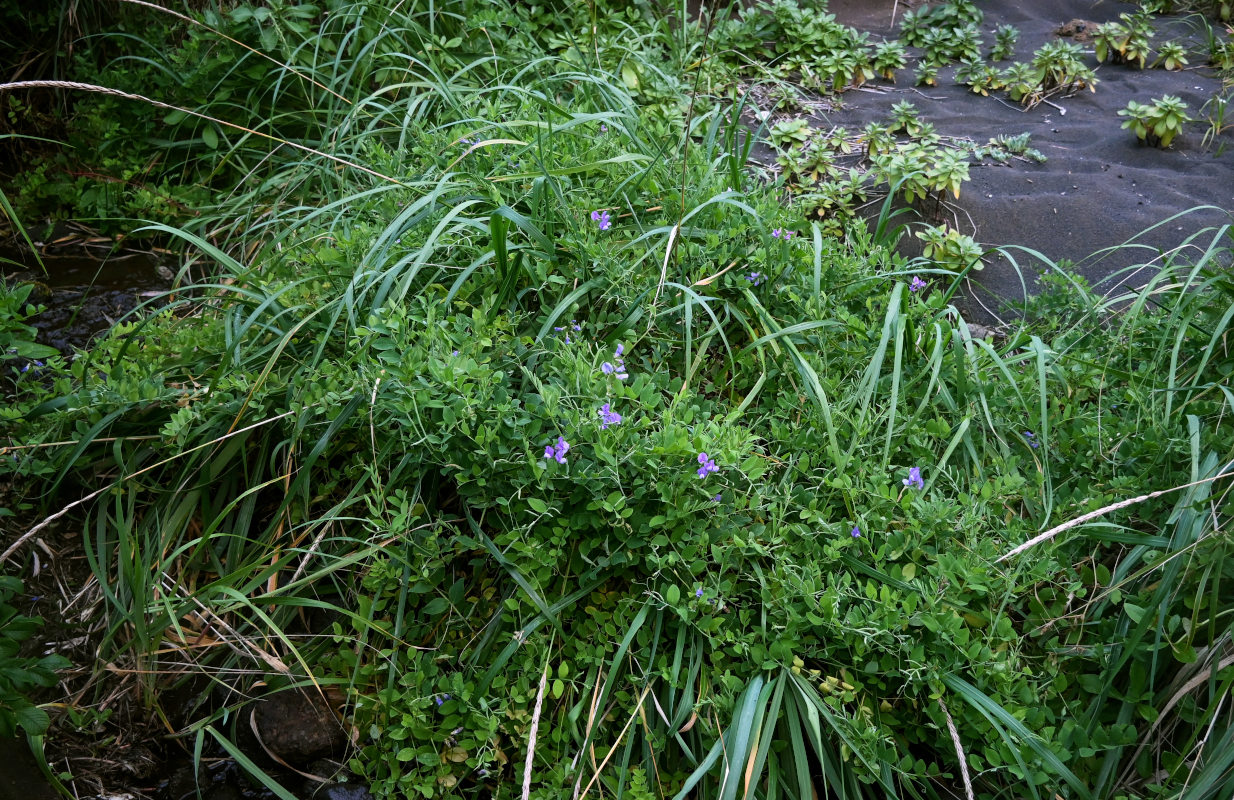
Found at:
(1092, 515)
(959, 750)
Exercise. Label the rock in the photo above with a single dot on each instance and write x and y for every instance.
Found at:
(298, 726)
(342, 791)
(1081, 30)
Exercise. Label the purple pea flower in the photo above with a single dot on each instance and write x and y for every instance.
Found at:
(775, 233)
(755, 278)
(557, 451)
(602, 218)
(716, 499)
(1031, 439)
(708, 465)
(698, 592)
(917, 285)
(608, 417)
(616, 367)
(856, 532)
(914, 481)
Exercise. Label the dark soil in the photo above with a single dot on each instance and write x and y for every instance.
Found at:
(1099, 187)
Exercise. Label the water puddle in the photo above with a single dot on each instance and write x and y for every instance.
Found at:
(86, 283)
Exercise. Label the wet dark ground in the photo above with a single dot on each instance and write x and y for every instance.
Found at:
(1099, 187)
(20, 778)
(86, 284)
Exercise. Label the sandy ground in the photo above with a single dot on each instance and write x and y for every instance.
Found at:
(1099, 187)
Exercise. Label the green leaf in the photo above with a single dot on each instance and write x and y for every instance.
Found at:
(210, 136)
(673, 595)
(31, 718)
(629, 76)
(537, 505)
(33, 350)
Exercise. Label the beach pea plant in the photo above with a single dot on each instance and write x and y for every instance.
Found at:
(1157, 123)
(21, 674)
(17, 345)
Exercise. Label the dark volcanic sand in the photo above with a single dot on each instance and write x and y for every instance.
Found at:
(1099, 187)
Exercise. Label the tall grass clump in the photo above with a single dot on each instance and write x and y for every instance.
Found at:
(520, 411)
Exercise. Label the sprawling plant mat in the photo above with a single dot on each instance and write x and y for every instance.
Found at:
(504, 410)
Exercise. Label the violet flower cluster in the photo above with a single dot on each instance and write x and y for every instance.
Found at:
(558, 451)
(617, 367)
(608, 417)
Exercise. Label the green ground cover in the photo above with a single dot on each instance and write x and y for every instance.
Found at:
(519, 409)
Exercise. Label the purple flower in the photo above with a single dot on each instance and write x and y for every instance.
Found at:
(698, 592)
(716, 499)
(608, 417)
(755, 278)
(775, 233)
(616, 367)
(917, 285)
(789, 234)
(1031, 439)
(573, 326)
(707, 467)
(442, 699)
(856, 532)
(602, 218)
(603, 128)
(914, 481)
(454, 353)
(557, 451)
